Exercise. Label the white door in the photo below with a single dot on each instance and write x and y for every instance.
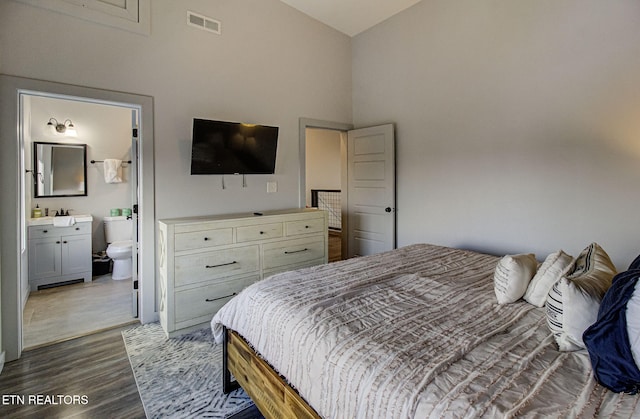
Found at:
(134, 213)
(371, 190)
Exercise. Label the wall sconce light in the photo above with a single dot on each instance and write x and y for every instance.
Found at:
(66, 127)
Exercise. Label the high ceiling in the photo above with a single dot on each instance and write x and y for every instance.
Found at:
(351, 16)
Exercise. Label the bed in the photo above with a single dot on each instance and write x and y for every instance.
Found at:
(412, 333)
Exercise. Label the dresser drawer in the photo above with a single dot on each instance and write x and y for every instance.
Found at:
(259, 232)
(203, 239)
(208, 266)
(44, 231)
(199, 304)
(293, 252)
(294, 228)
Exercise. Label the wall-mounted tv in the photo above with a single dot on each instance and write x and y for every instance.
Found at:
(222, 148)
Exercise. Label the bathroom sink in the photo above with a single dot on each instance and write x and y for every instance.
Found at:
(80, 218)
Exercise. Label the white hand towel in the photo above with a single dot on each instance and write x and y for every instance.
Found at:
(64, 221)
(112, 171)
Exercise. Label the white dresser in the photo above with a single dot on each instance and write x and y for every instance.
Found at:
(205, 261)
(59, 254)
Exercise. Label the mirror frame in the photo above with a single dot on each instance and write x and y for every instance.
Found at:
(36, 174)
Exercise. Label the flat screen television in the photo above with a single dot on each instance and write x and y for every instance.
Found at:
(222, 148)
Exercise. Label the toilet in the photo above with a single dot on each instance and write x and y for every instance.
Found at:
(117, 232)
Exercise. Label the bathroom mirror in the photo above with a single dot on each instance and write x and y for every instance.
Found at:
(59, 169)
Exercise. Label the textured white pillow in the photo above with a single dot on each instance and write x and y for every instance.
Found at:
(550, 272)
(633, 323)
(573, 302)
(512, 276)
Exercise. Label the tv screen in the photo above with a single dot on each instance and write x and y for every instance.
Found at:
(221, 148)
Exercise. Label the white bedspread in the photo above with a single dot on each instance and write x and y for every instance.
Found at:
(414, 333)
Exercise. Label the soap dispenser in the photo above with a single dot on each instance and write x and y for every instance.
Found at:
(37, 212)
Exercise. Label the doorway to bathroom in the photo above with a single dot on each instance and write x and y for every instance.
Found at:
(70, 305)
(13, 215)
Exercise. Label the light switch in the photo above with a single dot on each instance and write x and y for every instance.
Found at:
(272, 187)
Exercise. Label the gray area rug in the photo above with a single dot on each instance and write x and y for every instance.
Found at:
(180, 377)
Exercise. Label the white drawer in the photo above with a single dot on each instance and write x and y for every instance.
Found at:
(294, 252)
(203, 239)
(259, 232)
(210, 266)
(200, 304)
(294, 228)
(44, 231)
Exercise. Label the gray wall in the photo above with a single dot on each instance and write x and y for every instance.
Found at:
(271, 65)
(518, 122)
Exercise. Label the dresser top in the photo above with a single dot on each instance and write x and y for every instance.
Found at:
(237, 216)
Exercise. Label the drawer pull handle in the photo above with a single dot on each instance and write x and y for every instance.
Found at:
(58, 242)
(77, 228)
(262, 232)
(64, 241)
(296, 251)
(45, 231)
(306, 226)
(206, 238)
(220, 298)
(222, 264)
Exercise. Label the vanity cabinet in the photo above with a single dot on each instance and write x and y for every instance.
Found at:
(205, 261)
(59, 254)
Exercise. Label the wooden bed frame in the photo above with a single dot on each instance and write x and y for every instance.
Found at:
(268, 390)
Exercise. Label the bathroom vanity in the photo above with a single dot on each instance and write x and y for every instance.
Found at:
(59, 254)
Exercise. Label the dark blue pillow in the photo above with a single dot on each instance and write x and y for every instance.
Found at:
(607, 340)
(635, 264)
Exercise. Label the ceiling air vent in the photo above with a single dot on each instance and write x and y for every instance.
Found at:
(203, 22)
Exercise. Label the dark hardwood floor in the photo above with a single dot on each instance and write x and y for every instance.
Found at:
(87, 377)
(335, 246)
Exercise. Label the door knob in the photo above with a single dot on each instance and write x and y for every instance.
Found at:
(388, 209)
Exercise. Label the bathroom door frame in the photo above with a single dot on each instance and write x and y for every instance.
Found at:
(13, 213)
(135, 198)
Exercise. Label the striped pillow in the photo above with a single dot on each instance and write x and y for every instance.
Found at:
(573, 302)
